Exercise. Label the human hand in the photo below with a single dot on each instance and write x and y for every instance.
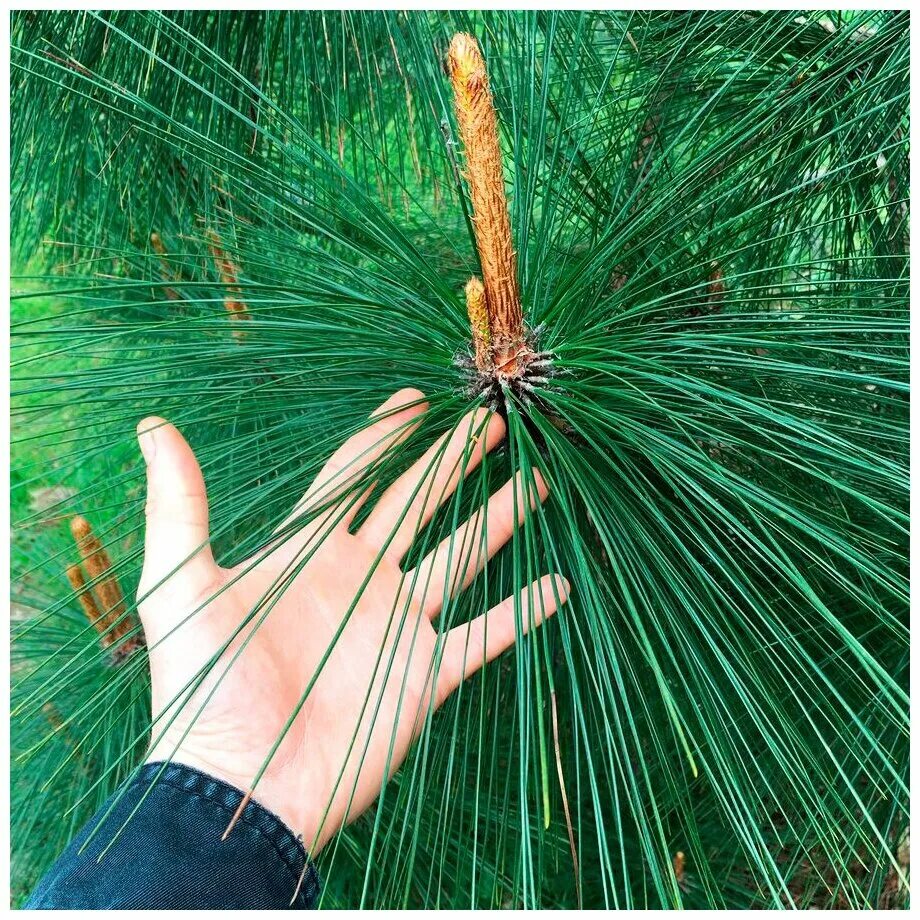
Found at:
(351, 630)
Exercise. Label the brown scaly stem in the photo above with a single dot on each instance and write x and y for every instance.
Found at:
(109, 614)
(157, 245)
(713, 300)
(478, 125)
(229, 277)
(84, 595)
(715, 290)
(505, 359)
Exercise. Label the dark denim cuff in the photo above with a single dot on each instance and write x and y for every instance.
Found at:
(170, 853)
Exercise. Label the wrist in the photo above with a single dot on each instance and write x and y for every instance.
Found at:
(273, 793)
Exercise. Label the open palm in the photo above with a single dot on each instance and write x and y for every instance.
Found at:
(322, 640)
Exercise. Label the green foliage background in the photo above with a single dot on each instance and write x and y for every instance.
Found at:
(711, 217)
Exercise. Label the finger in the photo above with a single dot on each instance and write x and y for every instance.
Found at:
(412, 500)
(177, 507)
(467, 648)
(455, 562)
(393, 423)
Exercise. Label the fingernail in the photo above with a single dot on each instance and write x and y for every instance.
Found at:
(146, 438)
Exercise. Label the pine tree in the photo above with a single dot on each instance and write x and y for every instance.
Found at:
(261, 224)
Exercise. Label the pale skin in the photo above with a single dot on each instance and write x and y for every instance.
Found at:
(388, 669)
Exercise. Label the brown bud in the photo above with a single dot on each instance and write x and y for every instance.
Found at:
(84, 595)
(110, 620)
(156, 244)
(229, 276)
(680, 867)
(715, 290)
(479, 323)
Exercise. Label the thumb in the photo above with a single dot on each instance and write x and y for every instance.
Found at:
(177, 509)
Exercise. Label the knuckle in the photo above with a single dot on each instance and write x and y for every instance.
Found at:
(188, 514)
(381, 432)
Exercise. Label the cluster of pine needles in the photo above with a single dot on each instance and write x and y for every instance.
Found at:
(259, 225)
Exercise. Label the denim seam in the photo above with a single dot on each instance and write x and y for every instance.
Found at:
(262, 815)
